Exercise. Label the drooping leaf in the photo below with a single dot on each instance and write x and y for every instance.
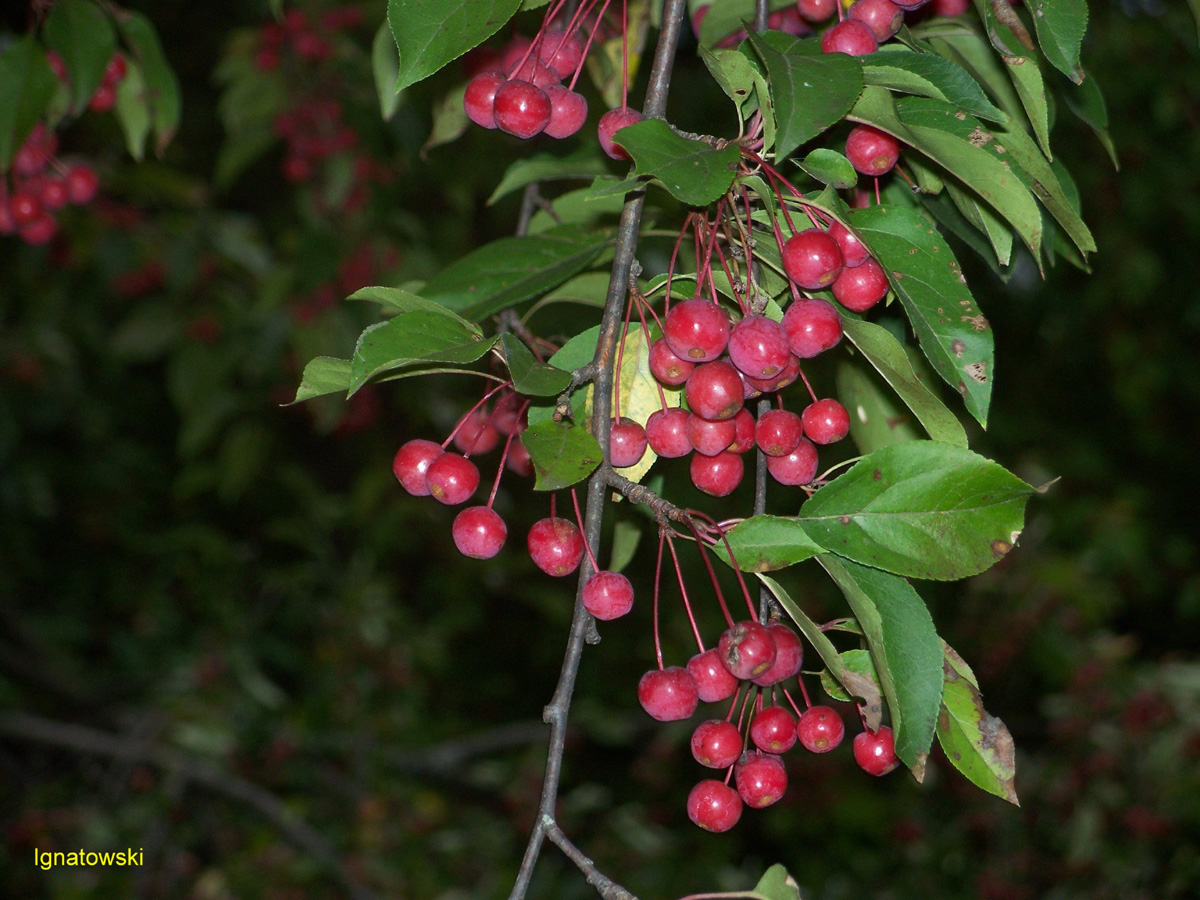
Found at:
(562, 454)
(323, 375)
(1031, 88)
(809, 93)
(385, 66)
(431, 33)
(930, 75)
(922, 509)
(831, 168)
(163, 95)
(887, 355)
(413, 338)
(855, 684)
(777, 884)
(857, 661)
(765, 543)
(904, 646)
(961, 145)
(529, 376)
(27, 85)
(954, 335)
(976, 743)
(1042, 178)
(947, 214)
(984, 220)
(1087, 102)
(508, 271)
(1060, 27)
(404, 301)
(694, 172)
(83, 36)
(583, 163)
(876, 420)
(133, 112)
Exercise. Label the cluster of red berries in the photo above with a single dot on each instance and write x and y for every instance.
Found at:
(40, 184)
(555, 544)
(520, 90)
(863, 27)
(760, 658)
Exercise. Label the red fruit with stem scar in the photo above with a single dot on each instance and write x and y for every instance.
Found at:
(860, 288)
(666, 432)
(717, 475)
(758, 346)
(713, 805)
(778, 431)
(789, 656)
(668, 694)
(875, 751)
(666, 366)
(627, 442)
(479, 532)
(825, 421)
(773, 730)
(412, 462)
(747, 649)
(820, 729)
(607, 595)
(715, 390)
(871, 151)
(812, 259)
(798, 467)
(522, 109)
(696, 330)
(555, 546)
(716, 744)
(714, 682)
(761, 778)
(452, 479)
(850, 37)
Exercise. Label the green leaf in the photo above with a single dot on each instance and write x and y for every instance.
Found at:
(1031, 88)
(403, 301)
(1087, 102)
(921, 509)
(1195, 5)
(976, 743)
(810, 93)
(693, 171)
(431, 33)
(954, 335)
(385, 65)
(27, 86)
(161, 84)
(984, 220)
(1043, 180)
(777, 884)
(887, 355)
(562, 454)
(626, 537)
(765, 543)
(583, 163)
(929, 75)
(858, 661)
(530, 377)
(875, 420)
(831, 168)
(508, 271)
(574, 354)
(132, 111)
(1060, 26)
(855, 684)
(83, 36)
(449, 120)
(732, 71)
(323, 375)
(411, 338)
(963, 147)
(904, 646)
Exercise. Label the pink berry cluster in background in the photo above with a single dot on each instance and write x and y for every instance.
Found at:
(39, 185)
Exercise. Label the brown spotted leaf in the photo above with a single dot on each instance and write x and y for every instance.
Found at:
(976, 743)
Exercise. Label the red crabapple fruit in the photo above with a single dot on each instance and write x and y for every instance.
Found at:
(669, 694)
(555, 546)
(713, 805)
(479, 532)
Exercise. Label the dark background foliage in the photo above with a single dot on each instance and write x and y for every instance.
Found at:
(222, 595)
